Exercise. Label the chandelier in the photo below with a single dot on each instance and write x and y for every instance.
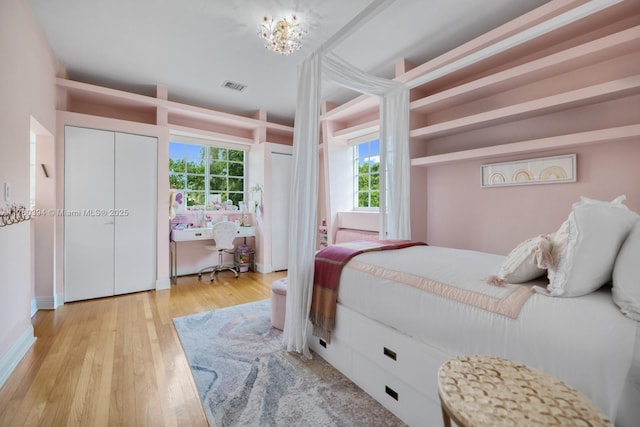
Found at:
(283, 36)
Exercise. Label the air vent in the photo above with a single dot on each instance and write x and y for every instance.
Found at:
(233, 85)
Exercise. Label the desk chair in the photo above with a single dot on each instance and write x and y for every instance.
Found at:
(223, 233)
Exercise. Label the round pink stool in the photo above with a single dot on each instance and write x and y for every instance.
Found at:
(278, 303)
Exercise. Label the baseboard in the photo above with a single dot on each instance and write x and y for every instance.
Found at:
(59, 300)
(14, 355)
(162, 284)
(45, 303)
(34, 306)
(264, 268)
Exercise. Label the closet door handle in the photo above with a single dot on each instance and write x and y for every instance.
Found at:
(109, 223)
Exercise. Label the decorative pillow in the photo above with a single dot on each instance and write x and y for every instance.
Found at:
(626, 275)
(527, 261)
(586, 245)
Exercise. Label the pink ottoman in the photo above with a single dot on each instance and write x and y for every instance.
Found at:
(278, 302)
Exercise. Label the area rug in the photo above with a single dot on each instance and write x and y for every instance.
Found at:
(245, 378)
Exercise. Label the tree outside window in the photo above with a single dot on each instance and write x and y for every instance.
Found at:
(367, 174)
(207, 173)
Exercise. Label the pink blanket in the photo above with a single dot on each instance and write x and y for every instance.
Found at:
(328, 268)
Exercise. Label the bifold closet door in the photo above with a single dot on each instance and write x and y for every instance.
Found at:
(135, 209)
(88, 197)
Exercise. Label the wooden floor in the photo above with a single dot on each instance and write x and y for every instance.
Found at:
(118, 361)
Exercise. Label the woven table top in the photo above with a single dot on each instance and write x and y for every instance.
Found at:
(490, 391)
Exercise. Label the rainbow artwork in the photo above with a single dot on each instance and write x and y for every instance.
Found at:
(544, 170)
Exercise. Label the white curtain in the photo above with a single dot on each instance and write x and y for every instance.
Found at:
(394, 177)
(394, 141)
(395, 166)
(303, 207)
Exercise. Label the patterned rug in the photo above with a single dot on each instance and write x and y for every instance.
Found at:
(244, 378)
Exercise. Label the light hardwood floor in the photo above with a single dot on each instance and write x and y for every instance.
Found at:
(118, 361)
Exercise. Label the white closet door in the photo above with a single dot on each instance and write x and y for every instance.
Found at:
(135, 213)
(280, 190)
(88, 233)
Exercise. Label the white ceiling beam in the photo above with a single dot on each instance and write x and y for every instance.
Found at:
(352, 26)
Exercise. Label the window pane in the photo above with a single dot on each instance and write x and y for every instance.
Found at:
(176, 157)
(177, 180)
(176, 165)
(236, 184)
(236, 198)
(236, 169)
(195, 199)
(218, 168)
(363, 199)
(195, 182)
(236, 156)
(218, 153)
(363, 151)
(375, 199)
(221, 196)
(218, 184)
(363, 182)
(367, 179)
(374, 180)
(203, 170)
(195, 158)
(374, 149)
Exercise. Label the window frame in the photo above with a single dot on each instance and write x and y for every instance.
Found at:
(207, 161)
(356, 143)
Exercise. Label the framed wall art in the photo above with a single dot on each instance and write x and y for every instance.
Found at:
(545, 170)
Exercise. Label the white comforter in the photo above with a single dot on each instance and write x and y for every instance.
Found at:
(584, 341)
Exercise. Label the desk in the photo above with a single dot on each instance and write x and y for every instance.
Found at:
(197, 233)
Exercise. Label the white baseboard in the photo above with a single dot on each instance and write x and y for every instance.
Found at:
(58, 300)
(162, 284)
(45, 303)
(34, 306)
(14, 355)
(264, 268)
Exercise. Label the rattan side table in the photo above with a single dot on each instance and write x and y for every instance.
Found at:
(479, 391)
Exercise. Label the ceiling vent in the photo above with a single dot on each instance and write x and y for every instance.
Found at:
(233, 85)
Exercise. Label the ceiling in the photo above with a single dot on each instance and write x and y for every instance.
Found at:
(193, 46)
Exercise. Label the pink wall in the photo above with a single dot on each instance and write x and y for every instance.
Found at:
(27, 85)
(462, 214)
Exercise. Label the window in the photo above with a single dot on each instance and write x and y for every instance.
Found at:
(366, 158)
(207, 174)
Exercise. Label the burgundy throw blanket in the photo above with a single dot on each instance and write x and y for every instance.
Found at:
(326, 278)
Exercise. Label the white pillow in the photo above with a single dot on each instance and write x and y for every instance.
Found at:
(586, 245)
(527, 261)
(626, 275)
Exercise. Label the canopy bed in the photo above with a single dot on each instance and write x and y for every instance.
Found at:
(401, 313)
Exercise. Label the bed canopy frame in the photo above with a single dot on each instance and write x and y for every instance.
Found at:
(323, 64)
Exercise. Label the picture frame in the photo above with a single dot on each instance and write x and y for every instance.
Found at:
(178, 200)
(543, 170)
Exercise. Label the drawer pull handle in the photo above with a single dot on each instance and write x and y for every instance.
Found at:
(198, 234)
(389, 353)
(391, 392)
(323, 343)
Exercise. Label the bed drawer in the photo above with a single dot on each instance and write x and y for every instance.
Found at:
(411, 361)
(338, 353)
(410, 405)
